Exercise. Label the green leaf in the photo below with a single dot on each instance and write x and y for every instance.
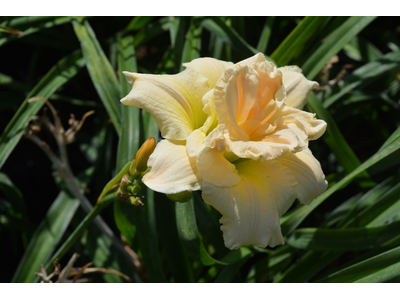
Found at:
(386, 206)
(60, 74)
(366, 74)
(353, 239)
(178, 29)
(374, 195)
(226, 33)
(166, 226)
(192, 46)
(189, 235)
(101, 72)
(129, 139)
(13, 194)
(209, 226)
(46, 237)
(273, 263)
(376, 264)
(265, 35)
(128, 143)
(296, 218)
(307, 266)
(296, 42)
(384, 275)
(138, 22)
(332, 44)
(30, 25)
(362, 50)
(147, 235)
(151, 31)
(238, 258)
(334, 138)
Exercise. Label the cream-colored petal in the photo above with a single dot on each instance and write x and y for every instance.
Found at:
(210, 68)
(211, 161)
(297, 86)
(271, 147)
(308, 173)
(259, 57)
(244, 92)
(315, 128)
(251, 209)
(175, 101)
(171, 169)
(214, 167)
(194, 143)
(209, 109)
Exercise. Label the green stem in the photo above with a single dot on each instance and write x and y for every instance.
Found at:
(113, 182)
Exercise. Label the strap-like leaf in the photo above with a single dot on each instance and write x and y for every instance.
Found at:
(101, 72)
(333, 44)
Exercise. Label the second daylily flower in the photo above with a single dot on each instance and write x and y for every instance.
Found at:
(238, 133)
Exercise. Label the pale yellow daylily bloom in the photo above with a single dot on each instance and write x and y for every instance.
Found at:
(251, 194)
(237, 132)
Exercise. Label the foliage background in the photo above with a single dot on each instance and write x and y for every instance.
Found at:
(362, 111)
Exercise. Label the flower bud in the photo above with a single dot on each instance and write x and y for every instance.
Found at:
(142, 156)
(180, 197)
(132, 168)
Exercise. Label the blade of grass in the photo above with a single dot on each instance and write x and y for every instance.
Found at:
(178, 260)
(265, 35)
(60, 74)
(189, 235)
(151, 31)
(101, 72)
(295, 43)
(138, 22)
(353, 239)
(226, 33)
(227, 273)
(333, 44)
(192, 46)
(178, 29)
(46, 237)
(366, 267)
(128, 142)
(31, 25)
(209, 225)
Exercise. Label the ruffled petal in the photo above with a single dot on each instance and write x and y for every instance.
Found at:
(259, 57)
(251, 209)
(272, 147)
(174, 101)
(244, 93)
(308, 173)
(210, 68)
(315, 128)
(171, 169)
(297, 86)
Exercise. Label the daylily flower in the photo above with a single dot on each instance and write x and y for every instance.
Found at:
(238, 133)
